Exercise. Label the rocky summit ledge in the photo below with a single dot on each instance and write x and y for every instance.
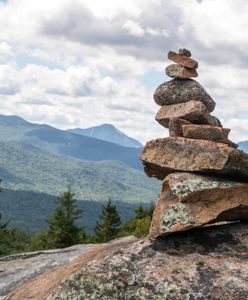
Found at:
(39, 287)
(17, 269)
(206, 263)
(203, 263)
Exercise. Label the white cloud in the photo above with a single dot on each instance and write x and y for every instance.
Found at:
(9, 80)
(157, 32)
(134, 28)
(86, 60)
(5, 49)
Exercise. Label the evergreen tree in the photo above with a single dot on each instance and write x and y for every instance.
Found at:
(109, 226)
(13, 241)
(3, 225)
(62, 231)
(139, 225)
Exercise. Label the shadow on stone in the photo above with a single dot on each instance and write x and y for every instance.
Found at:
(215, 238)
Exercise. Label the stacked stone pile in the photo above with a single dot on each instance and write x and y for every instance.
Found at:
(204, 176)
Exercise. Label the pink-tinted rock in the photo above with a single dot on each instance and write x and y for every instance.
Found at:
(182, 60)
(177, 71)
(208, 263)
(188, 200)
(164, 156)
(207, 132)
(180, 91)
(175, 126)
(192, 111)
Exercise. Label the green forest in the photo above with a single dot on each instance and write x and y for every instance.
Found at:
(27, 168)
(63, 231)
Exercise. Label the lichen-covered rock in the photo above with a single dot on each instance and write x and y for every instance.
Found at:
(164, 156)
(39, 286)
(192, 111)
(204, 263)
(180, 91)
(177, 71)
(188, 200)
(183, 60)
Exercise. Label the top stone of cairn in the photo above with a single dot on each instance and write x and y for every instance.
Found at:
(184, 52)
(183, 58)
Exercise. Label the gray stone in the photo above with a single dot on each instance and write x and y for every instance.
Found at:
(180, 91)
(184, 52)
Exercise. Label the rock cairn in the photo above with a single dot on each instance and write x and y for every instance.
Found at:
(204, 176)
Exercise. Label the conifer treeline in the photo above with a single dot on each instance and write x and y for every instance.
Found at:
(64, 232)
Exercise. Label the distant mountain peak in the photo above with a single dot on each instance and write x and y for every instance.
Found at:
(12, 120)
(109, 133)
(106, 125)
(80, 146)
(243, 146)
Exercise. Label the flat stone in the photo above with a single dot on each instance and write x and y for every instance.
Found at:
(184, 52)
(177, 71)
(182, 60)
(180, 91)
(188, 200)
(207, 132)
(192, 111)
(164, 156)
(19, 268)
(175, 126)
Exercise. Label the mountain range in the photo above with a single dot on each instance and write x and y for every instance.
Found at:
(243, 146)
(109, 133)
(38, 162)
(16, 129)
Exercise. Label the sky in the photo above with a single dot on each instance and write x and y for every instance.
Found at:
(81, 63)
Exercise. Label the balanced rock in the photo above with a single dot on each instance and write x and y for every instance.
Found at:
(164, 156)
(180, 91)
(184, 52)
(188, 200)
(207, 132)
(193, 111)
(175, 126)
(177, 71)
(183, 60)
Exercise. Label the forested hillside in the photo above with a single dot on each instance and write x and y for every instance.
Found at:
(16, 129)
(29, 210)
(24, 167)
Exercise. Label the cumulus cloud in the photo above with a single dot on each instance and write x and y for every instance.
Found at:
(134, 28)
(86, 62)
(9, 80)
